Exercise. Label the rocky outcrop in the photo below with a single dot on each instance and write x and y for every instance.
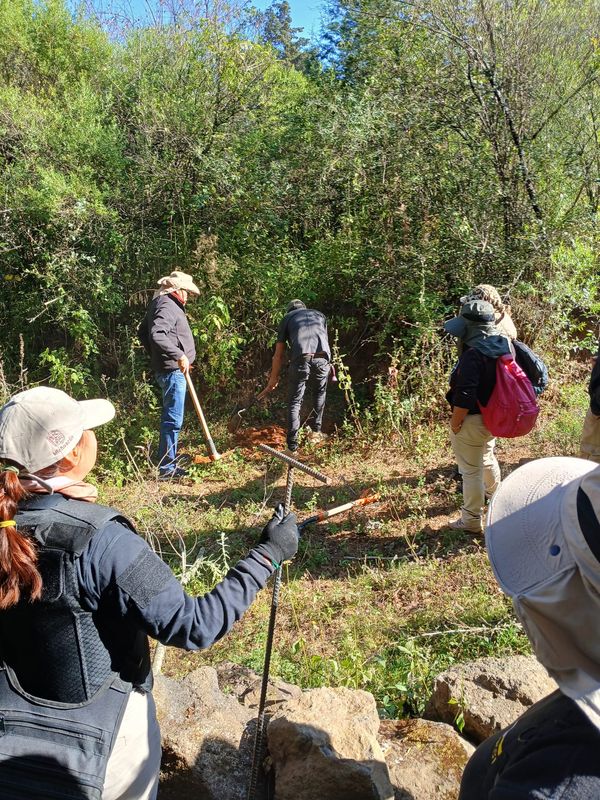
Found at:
(205, 749)
(245, 685)
(322, 742)
(491, 693)
(324, 745)
(425, 759)
(328, 744)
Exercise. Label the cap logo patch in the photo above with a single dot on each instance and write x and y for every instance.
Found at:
(57, 441)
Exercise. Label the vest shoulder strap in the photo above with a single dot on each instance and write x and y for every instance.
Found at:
(57, 522)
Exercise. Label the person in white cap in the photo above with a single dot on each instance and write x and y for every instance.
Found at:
(167, 337)
(80, 592)
(543, 542)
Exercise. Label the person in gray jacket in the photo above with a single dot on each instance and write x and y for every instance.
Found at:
(167, 337)
(80, 593)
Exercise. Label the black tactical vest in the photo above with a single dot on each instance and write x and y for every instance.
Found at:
(61, 703)
(51, 646)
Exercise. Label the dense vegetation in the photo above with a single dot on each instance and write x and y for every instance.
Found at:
(418, 148)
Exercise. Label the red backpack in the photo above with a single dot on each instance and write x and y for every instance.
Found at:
(512, 409)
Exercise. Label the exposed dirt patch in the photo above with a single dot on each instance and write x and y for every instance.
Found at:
(272, 435)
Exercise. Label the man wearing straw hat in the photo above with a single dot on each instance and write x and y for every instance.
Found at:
(166, 334)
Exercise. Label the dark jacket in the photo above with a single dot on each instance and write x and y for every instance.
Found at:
(166, 333)
(594, 387)
(472, 381)
(550, 752)
(131, 593)
(305, 330)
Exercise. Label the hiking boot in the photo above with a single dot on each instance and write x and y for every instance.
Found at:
(459, 525)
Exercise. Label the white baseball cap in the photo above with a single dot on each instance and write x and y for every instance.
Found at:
(40, 426)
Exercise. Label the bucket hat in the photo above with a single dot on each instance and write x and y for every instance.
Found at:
(40, 426)
(543, 543)
(476, 317)
(475, 326)
(545, 518)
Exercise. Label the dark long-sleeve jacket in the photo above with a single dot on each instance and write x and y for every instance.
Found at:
(132, 593)
(166, 333)
(550, 752)
(127, 584)
(472, 380)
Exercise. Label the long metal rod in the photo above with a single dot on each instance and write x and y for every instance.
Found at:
(257, 756)
(212, 450)
(292, 462)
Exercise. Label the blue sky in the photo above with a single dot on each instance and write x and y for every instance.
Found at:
(305, 13)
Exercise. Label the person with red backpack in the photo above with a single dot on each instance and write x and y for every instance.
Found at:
(471, 385)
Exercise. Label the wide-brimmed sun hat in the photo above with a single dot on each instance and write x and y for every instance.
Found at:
(544, 519)
(178, 281)
(543, 542)
(476, 318)
(40, 426)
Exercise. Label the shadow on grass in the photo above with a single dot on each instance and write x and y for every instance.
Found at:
(404, 525)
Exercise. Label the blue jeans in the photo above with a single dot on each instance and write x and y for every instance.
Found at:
(300, 372)
(173, 388)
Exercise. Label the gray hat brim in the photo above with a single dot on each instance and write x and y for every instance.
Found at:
(457, 326)
(531, 535)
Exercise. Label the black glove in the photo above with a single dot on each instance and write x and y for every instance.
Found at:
(279, 539)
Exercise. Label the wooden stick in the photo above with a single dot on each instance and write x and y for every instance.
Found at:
(323, 515)
(212, 450)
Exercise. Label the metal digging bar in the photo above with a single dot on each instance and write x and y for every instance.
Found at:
(260, 723)
(292, 462)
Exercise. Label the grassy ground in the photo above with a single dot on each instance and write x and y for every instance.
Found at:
(381, 598)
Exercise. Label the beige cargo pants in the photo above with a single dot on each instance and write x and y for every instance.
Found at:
(590, 437)
(473, 448)
(134, 764)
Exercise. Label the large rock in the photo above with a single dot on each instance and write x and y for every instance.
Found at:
(425, 759)
(324, 747)
(245, 684)
(205, 750)
(490, 692)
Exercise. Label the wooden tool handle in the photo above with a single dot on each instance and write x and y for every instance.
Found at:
(212, 450)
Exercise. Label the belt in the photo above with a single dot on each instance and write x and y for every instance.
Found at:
(314, 355)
